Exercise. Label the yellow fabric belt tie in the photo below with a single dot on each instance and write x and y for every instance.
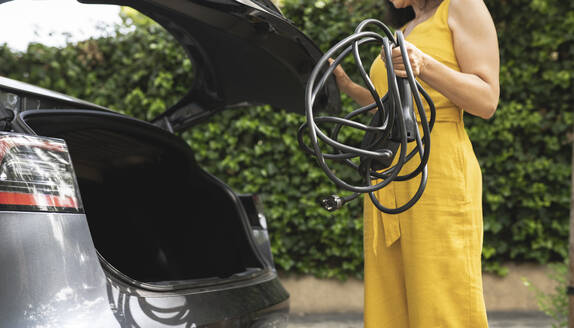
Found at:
(391, 224)
(392, 228)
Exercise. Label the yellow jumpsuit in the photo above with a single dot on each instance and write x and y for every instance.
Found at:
(423, 266)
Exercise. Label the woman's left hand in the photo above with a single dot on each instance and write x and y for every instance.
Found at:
(416, 58)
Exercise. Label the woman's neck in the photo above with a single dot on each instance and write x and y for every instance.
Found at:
(423, 8)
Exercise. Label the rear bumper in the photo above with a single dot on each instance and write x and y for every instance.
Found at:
(257, 303)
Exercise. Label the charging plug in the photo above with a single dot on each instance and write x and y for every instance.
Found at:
(332, 203)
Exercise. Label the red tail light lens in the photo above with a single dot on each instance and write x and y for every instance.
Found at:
(36, 173)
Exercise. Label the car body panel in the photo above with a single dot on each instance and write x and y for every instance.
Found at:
(51, 275)
(55, 280)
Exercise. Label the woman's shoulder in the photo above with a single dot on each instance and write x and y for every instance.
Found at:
(463, 11)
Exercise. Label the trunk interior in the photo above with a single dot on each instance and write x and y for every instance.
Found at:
(153, 213)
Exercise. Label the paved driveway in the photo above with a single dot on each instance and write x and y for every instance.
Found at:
(495, 320)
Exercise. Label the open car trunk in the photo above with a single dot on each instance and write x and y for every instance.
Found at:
(153, 213)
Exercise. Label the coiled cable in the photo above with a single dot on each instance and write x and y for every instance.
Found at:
(391, 128)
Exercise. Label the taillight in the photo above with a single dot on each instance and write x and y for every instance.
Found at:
(36, 174)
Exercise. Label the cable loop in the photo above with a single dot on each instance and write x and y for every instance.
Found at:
(391, 128)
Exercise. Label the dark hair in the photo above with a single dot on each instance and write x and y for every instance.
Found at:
(398, 17)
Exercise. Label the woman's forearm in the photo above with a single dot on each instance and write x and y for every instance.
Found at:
(358, 93)
(468, 91)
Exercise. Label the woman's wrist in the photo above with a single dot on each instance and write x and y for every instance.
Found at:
(426, 66)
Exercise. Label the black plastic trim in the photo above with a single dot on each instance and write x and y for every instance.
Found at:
(33, 208)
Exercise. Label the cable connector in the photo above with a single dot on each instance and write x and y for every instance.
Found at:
(332, 203)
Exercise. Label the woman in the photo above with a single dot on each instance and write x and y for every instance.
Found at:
(423, 267)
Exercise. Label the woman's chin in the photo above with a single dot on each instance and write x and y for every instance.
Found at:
(400, 3)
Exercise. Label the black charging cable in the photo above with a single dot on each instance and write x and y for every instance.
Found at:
(391, 128)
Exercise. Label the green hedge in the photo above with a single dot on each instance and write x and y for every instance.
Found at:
(524, 150)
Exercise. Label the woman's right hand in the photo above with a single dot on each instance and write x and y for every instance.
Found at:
(340, 76)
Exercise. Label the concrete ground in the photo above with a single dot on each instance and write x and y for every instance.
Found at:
(501, 294)
(355, 320)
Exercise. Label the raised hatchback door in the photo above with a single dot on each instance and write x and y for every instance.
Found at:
(243, 52)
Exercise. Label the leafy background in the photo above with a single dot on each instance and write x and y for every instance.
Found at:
(524, 151)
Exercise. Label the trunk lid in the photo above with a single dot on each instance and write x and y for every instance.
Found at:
(244, 52)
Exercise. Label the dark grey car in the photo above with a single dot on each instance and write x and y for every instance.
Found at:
(107, 221)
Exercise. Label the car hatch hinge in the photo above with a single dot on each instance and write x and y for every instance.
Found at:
(9, 105)
(6, 117)
(165, 124)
